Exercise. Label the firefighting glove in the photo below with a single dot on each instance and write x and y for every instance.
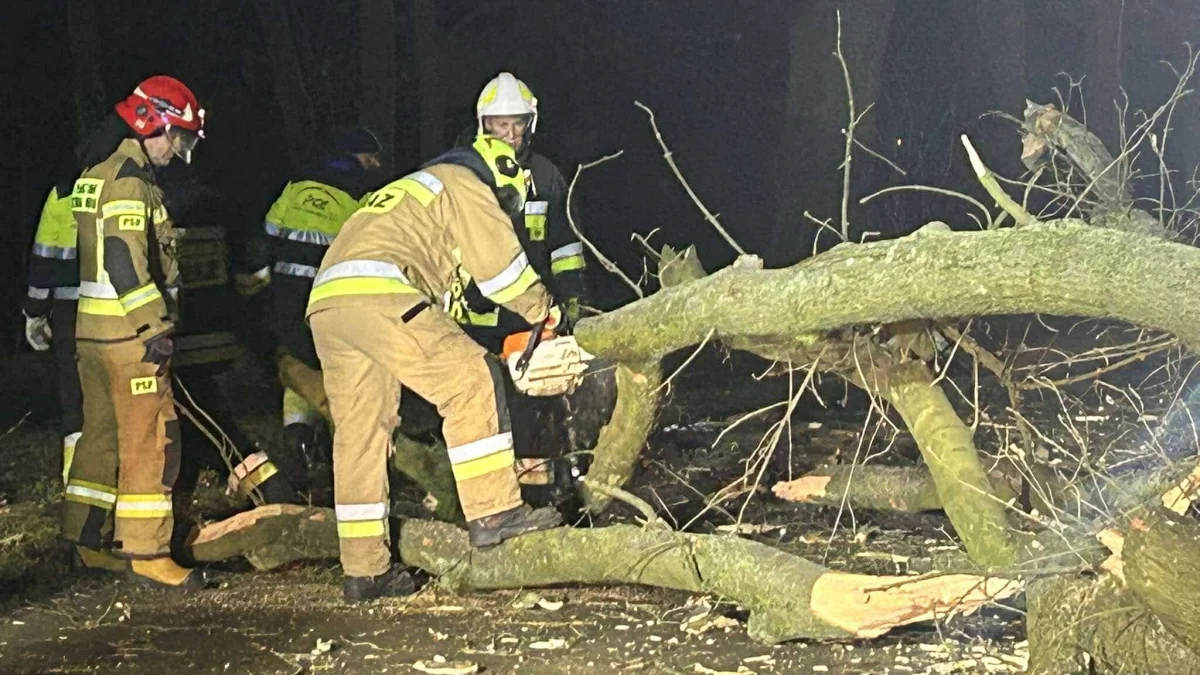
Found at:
(158, 351)
(251, 284)
(37, 332)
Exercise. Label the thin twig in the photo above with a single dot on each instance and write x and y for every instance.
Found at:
(687, 361)
(604, 262)
(629, 498)
(849, 133)
(927, 188)
(667, 155)
(1020, 216)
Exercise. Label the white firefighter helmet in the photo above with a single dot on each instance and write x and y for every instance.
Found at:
(506, 95)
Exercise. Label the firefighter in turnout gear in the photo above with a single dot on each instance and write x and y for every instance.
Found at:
(507, 109)
(50, 304)
(118, 495)
(302, 223)
(376, 316)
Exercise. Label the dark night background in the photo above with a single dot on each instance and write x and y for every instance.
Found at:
(747, 93)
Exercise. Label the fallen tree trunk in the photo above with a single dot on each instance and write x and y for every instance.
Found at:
(1064, 267)
(798, 599)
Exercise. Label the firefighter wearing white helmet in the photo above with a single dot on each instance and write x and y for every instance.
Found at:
(507, 109)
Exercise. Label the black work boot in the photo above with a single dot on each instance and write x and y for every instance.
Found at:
(491, 530)
(396, 582)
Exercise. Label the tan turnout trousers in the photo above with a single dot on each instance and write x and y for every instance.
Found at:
(368, 354)
(128, 457)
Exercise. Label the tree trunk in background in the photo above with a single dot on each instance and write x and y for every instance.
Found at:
(1003, 27)
(427, 39)
(1102, 88)
(812, 146)
(85, 71)
(377, 40)
(290, 91)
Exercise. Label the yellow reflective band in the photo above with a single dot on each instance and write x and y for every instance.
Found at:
(93, 494)
(422, 194)
(123, 207)
(568, 264)
(359, 286)
(359, 529)
(143, 506)
(487, 319)
(536, 226)
(140, 297)
(85, 198)
(101, 307)
(527, 278)
(143, 385)
(484, 465)
(260, 476)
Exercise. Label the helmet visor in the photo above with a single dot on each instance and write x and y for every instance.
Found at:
(183, 142)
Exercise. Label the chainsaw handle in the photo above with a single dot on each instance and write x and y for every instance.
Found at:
(535, 338)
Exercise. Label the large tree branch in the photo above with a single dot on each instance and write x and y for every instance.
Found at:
(1064, 267)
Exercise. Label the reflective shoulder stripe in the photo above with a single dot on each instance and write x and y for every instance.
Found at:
(295, 269)
(66, 293)
(509, 283)
(54, 252)
(118, 207)
(36, 293)
(567, 251)
(430, 181)
(536, 208)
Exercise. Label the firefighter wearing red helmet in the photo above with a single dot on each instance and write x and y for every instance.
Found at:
(118, 497)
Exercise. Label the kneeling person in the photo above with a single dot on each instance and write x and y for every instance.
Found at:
(377, 332)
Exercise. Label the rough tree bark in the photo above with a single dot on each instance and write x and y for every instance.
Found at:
(1064, 267)
(799, 599)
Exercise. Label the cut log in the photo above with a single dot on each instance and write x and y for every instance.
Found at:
(907, 489)
(798, 599)
(269, 536)
(1079, 625)
(1161, 560)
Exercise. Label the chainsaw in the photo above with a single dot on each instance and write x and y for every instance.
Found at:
(542, 364)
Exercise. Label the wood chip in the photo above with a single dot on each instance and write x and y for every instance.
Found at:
(552, 643)
(447, 668)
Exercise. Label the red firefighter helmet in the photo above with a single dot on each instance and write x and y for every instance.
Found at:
(163, 104)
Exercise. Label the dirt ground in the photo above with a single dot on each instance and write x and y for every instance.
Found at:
(293, 621)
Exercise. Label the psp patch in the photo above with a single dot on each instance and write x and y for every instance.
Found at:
(143, 385)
